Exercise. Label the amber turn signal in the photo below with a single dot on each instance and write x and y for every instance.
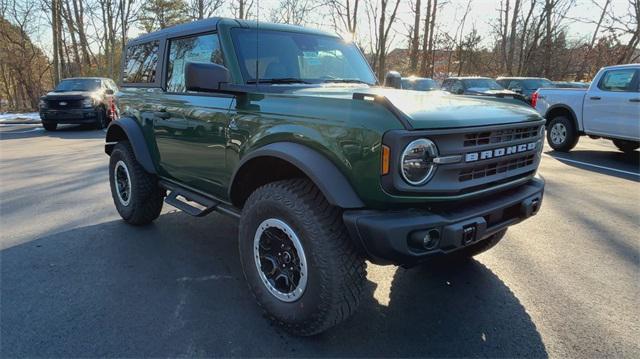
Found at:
(384, 169)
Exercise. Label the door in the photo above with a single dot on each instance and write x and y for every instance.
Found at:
(190, 128)
(612, 107)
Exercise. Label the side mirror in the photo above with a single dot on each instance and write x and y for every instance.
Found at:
(460, 91)
(393, 79)
(108, 91)
(207, 77)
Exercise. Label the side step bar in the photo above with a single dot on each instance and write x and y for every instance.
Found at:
(208, 204)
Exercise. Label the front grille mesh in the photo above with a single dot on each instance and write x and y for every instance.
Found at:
(500, 136)
(55, 104)
(495, 168)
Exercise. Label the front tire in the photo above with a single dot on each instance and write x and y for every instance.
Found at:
(562, 134)
(50, 126)
(626, 146)
(297, 258)
(136, 193)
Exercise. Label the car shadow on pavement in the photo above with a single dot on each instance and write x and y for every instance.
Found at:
(175, 288)
(628, 162)
(63, 131)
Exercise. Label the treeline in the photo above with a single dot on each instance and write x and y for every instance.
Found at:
(43, 41)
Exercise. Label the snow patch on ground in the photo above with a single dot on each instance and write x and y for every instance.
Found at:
(34, 116)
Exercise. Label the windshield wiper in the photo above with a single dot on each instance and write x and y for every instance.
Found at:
(281, 80)
(347, 81)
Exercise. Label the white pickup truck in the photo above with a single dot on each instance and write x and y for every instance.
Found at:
(609, 108)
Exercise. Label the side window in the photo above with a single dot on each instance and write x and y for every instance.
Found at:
(457, 86)
(203, 48)
(141, 62)
(617, 80)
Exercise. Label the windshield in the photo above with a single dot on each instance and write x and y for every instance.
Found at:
(419, 84)
(537, 83)
(482, 83)
(293, 57)
(77, 85)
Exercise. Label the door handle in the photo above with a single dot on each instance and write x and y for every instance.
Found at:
(595, 98)
(634, 100)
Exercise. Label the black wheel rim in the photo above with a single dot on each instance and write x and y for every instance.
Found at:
(280, 260)
(123, 183)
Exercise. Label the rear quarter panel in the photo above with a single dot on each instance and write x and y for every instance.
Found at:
(569, 98)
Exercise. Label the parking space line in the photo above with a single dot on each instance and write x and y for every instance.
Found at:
(592, 165)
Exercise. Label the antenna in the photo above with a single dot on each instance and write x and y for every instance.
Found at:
(257, 45)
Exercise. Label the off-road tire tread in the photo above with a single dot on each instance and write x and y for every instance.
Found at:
(147, 195)
(347, 286)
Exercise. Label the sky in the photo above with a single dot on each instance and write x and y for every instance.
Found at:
(482, 14)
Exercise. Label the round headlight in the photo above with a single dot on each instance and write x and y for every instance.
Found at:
(417, 161)
(42, 103)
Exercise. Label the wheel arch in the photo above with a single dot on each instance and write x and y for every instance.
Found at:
(127, 129)
(558, 110)
(284, 160)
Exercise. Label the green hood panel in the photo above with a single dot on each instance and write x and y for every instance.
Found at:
(437, 109)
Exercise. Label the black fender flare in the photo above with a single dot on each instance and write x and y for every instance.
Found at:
(128, 129)
(574, 118)
(324, 174)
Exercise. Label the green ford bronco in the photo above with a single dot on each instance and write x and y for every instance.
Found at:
(286, 129)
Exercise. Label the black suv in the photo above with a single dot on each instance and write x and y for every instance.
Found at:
(79, 100)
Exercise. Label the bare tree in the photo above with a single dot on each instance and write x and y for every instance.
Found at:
(202, 9)
(241, 8)
(415, 39)
(381, 23)
(344, 14)
(296, 12)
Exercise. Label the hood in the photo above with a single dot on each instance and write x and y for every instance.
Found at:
(439, 109)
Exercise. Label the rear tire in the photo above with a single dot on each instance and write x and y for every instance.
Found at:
(562, 134)
(136, 193)
(50, 126)
(626, 146)
(309, 230)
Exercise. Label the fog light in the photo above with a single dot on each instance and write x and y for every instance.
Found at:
(425, 240)
(431, 239)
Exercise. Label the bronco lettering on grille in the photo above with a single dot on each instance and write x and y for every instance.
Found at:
(499, 152)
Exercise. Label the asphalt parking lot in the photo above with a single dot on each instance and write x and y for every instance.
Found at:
(76, 281)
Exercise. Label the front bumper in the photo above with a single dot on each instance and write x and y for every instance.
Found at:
(395, 237)
(71, 116)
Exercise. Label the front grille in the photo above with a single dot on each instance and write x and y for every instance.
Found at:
(490, 156)
(68, 104)
(500, 136)
(495, 168)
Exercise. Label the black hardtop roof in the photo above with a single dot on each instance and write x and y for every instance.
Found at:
(190, 27)
(211, 24)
